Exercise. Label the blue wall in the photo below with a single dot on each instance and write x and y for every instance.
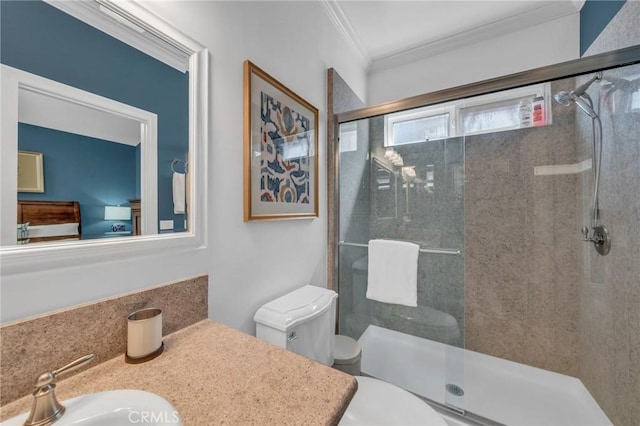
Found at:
(42, 40)
(91, 171)
(594, 17)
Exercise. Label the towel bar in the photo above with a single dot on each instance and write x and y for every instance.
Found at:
(450, 252)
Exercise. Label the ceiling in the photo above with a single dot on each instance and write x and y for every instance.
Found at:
(43, 110)
(389, 32)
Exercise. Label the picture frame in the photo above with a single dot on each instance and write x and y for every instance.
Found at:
(280, 150)
(30, 172)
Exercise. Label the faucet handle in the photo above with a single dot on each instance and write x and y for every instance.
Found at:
(46, 409)
(47, 378)
(585, 234)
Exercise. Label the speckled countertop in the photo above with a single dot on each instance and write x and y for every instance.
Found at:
(213, 374)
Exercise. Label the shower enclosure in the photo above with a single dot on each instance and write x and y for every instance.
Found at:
(495, 181)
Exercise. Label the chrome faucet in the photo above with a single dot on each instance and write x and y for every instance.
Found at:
(46, 409)
(600, 239)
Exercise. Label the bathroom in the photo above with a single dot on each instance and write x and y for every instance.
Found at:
(228, 245)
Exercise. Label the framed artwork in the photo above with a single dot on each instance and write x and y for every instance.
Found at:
(280, 150)
(30, 172)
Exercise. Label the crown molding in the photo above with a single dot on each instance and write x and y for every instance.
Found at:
(545, 13)
(127, 29)
(343, 25)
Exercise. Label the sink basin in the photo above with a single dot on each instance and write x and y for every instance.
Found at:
(116, 407)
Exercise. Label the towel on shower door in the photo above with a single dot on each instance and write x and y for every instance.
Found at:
(179, 190)
(393, 272)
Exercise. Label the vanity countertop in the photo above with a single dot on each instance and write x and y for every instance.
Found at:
(213, 374)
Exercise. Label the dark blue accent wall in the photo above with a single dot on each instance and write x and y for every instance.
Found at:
(594, 17)
(91, 171)
(42, 40)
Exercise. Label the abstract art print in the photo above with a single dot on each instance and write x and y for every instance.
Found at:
(281, 141)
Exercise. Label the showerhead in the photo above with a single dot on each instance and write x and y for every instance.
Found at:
(566, 98)
(579, 100)
(579, 96)
(563, 98)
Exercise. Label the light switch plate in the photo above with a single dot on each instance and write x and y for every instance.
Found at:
(166, 224)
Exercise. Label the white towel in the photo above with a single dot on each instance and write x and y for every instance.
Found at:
(393, 272)
(178, 193)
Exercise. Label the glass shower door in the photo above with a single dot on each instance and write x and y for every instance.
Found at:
(402, 178)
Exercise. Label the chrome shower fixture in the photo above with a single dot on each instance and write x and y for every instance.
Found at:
(601, 239)
(566, 98)
(579, 96)
(582, 89)
(600, 235)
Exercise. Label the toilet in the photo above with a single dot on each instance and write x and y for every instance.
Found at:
(303, 321)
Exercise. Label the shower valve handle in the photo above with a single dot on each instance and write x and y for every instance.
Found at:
(597, 238)
(585, 234)
(600, 239)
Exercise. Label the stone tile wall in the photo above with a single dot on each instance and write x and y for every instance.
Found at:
(610, 285)
(522, 241)
(609, 338)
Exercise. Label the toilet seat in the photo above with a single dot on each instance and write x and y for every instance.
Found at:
(380, 403)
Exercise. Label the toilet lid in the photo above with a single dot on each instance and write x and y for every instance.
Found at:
(347, 350)
(380, 403)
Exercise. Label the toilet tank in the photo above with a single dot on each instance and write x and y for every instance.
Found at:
(302, 321)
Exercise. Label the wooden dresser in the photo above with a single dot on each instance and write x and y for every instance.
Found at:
(136, 212)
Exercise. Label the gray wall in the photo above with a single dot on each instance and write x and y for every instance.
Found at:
(521, 274)
(610, 286)
(609, 305)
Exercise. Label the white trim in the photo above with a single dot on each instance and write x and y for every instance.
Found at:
(148, 41)
(52, 113)
(15, 80)
(416, 114)
(198, 145)
(563, 169)
(531, 91)
(534, 90)
(537, 16)
(16, 260)
(343, 25)
(456, 110)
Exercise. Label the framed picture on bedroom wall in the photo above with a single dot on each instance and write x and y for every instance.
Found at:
(30, 172)
(280, 150)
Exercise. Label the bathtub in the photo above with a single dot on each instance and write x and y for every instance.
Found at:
(495, 389)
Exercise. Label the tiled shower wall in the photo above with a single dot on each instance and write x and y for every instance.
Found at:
(609, 343)
(610, 286)
(522, 241)
(609, 339)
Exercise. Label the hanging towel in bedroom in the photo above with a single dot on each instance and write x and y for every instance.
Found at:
(393, 272)
(178, 193)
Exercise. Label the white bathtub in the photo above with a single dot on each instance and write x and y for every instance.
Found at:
(499, 390)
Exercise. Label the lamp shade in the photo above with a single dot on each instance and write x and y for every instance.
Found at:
(117, 213)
